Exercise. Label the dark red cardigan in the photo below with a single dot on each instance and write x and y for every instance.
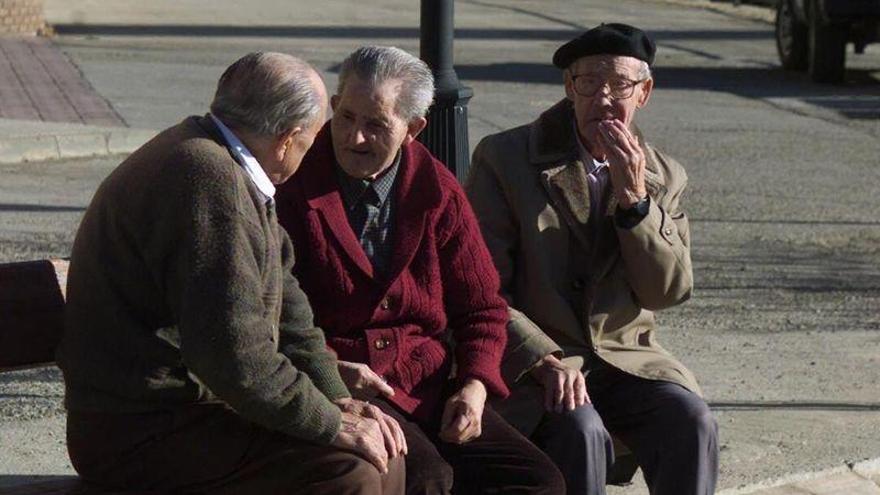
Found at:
(441, 277)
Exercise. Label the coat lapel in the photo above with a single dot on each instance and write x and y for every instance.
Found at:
(322, 194)
(569, 192)
(553, 148)
(416, 194)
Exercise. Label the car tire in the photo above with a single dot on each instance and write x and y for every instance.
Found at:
(827, 57)
(792, 37)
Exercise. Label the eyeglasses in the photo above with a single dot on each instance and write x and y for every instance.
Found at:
(618, 88)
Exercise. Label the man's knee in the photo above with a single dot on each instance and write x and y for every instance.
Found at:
(705, 424)
(549, 478)
(428, 476)
(581, 424)
(697, 420)
(358, 476)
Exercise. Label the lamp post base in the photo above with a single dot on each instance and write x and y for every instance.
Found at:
(446, 134)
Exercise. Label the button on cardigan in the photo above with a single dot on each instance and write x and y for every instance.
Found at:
(441, 281)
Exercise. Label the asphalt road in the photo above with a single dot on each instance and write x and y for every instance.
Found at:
(784, 327)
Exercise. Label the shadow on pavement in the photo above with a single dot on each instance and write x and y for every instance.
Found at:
(40, 208)
(44, 484)
(348, 32)
(858, 98)
(777, 221)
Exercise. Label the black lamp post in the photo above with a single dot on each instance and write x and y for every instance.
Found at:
(447, 132)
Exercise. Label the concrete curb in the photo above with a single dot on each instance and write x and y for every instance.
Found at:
(34, 142)
(862, 478)
(755, 13)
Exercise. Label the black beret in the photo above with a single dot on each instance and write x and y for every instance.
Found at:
(607, 39)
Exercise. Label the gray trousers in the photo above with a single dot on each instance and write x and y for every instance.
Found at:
(669, 429)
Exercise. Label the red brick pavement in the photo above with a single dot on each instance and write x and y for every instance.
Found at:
(38, 82)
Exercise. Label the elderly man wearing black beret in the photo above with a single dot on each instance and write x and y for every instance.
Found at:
(585, 224)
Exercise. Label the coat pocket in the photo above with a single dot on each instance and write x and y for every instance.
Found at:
(424, 361)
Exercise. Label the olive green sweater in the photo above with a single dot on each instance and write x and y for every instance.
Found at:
(180, 291)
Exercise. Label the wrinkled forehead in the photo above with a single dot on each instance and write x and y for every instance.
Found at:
(371, 96)
(607, 65)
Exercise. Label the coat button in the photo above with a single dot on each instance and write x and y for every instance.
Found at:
(667, 231)
(382, 343)
(578, 284)
(385, 304)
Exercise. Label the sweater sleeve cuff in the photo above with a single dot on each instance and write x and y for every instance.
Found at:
(329, 382)
(491, 379)
(321, 424)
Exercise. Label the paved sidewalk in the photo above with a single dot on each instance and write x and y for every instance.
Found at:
(49, 111)
(862, 478)
(37, 82)
(28, 140)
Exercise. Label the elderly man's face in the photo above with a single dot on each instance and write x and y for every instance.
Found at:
(609, 72)
(367, 131)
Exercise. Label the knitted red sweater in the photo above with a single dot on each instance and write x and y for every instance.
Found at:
(441, 277)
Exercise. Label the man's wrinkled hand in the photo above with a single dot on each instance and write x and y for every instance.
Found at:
(363, 436)
(626, 162)
(363, 382)
(564, 387)
(392, 433)
(463, 414)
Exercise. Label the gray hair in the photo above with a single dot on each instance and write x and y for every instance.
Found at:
(377, 64)
(268, 93)
(644, 70)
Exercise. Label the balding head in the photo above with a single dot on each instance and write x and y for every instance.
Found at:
(268, 93)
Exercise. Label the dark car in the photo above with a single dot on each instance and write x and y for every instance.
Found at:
(812, 35)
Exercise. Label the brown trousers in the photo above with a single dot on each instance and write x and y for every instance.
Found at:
(499, 461)
(209, 449)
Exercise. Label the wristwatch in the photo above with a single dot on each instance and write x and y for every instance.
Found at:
(630, 217)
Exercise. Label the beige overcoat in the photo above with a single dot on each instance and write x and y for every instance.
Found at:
(577, 288)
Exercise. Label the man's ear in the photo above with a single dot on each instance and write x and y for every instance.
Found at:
(569, 84)
(283, 142)
(413, 129)
(645, 95)
(334, 100)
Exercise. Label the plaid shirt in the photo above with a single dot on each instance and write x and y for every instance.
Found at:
(369, 206)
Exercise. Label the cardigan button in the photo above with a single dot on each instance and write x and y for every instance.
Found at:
(668, 231)
(385, 304)
(381, 343)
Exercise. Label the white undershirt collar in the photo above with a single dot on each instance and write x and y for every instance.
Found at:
(247, 160)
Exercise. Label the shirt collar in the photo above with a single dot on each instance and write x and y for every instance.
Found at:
(591, 163)
(247, 160)
(353, 189)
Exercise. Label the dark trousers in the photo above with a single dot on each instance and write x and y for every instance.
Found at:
(669, 429)
(500, 460)
(209, 449)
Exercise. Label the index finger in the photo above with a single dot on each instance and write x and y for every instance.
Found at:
(373, 448)
(379, 385)
(580, 389)
(625, 133)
